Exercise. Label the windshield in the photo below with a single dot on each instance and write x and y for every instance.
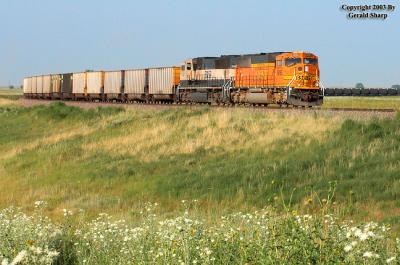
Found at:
(313, 61)
(292, 61)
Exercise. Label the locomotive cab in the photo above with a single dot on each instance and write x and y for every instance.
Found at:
(186, 70)
(299, 71)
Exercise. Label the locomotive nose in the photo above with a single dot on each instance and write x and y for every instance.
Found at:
(306, 79)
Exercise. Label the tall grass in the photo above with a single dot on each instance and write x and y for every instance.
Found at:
(112, 160)
(260, 237)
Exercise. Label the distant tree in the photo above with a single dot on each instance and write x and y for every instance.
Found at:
(360, 86)
(11, 87)
(396, 87)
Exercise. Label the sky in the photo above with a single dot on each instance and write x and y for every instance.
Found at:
(47, 36)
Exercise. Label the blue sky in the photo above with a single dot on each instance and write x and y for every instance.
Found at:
(47, 36)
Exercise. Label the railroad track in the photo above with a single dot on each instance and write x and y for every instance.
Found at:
(248, 106)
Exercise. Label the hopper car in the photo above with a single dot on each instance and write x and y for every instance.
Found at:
(373, 92)
(283, 78)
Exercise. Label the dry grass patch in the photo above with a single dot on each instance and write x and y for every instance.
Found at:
(7, 102)
(230, 130)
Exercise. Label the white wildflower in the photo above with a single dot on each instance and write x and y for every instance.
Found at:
(39, 204)
(52, 254)
(21, 255)
(389, 260)
(207, 251)
(67, 212)
(348, 248)
(363, 236)
(357, 232)
(369, 254)
(36, 250)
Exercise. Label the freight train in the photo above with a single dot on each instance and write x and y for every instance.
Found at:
(283, 78)
(373, 92)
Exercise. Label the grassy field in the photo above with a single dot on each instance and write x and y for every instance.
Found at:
(113, 160)
(7, 96)
(6, 91)
(389, 102)
(251, 184)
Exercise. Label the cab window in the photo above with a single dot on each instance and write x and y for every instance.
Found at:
(292, 61)
(313, 61)
(189, 66)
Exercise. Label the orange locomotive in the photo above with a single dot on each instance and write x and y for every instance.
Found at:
(290, 78)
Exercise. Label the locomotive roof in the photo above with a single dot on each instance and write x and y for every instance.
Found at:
(230, 61)
(240, 55)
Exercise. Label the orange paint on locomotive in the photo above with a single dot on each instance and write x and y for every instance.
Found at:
(295, 69)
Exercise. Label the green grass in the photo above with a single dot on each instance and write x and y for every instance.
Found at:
(113, 160)
(11, 94)
(386, 102)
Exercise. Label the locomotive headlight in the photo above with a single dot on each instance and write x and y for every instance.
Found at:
(306, 68)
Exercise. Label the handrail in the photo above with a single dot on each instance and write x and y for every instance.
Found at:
(225, 88)
(294, 77)
(322, 86)
(288, 85)
(178, 91)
